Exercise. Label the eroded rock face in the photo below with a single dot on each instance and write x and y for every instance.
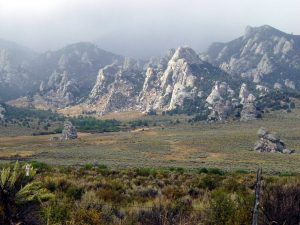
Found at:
(178, 80)
(2, 110)
(117, 88)
(60, 90)
(270, 142)
(180, 76)
(69, 132)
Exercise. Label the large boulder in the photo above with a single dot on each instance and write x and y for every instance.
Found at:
(69, 131)
(270, 142)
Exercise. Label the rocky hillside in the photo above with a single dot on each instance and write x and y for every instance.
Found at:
(263, 54)
(241, 79)
(14, 74)
(116, 88)
(64, 77)
(182, 78)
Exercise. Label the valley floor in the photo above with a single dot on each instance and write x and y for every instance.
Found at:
(224, 145)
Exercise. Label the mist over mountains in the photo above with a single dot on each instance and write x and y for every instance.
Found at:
(92, 80)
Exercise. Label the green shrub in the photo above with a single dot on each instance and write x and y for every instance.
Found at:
(215, 171)
(222, 208)
(74, 192)
(203, 170)
(145, 172)
(88, 166)
(40, 166)
(210, 182)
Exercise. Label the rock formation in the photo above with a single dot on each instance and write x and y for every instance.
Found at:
(231, 78)
(220, 101)
(258, 55)
(60, 90)
(2, 110)
(249, 111)
(117, 88)
(69, 132)
(270, 142)
(180, 76)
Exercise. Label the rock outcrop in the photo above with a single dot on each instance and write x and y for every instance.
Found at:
(117, 88)
(249, 111)
(181, 76)
(270, 142)
(2, 111)
(262, 54)
(15, 78)
(62, 78)
(60, 90)
(230, 79)
(220, 101)
(69, 132)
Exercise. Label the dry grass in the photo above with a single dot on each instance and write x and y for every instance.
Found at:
(226, 145)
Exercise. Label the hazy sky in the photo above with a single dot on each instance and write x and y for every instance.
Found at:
(140, 28)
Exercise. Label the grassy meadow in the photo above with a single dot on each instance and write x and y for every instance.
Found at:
(168, 141)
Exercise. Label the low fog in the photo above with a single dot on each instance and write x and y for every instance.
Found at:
(139, 28)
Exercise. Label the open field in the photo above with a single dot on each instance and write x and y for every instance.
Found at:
(224, 145)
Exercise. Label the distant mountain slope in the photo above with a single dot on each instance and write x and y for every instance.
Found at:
(240, 78)
(263, 54)
(64, 76)
(14, 74)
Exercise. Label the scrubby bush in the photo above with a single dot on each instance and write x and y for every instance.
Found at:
(280, 204)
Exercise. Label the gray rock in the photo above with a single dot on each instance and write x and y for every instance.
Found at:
(69, 131)
(270, 142)
(249, 112)
(272, 137)
(262, 132)
(288, 151)
(290, 84)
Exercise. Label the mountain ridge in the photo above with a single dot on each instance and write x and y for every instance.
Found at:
(95, 81)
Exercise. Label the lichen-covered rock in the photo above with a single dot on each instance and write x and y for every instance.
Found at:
(69, 132)
(270, 142)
